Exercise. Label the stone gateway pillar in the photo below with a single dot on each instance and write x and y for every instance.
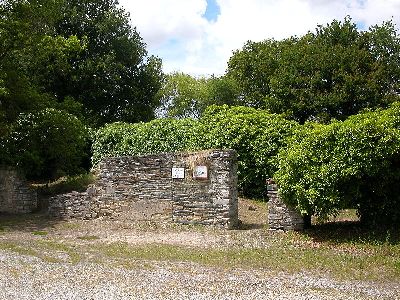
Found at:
(280, 215)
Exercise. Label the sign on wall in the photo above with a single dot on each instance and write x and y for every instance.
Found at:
(178, 173)
(200, 172)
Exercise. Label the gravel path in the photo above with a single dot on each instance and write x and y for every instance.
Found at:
(26, 272)
(26, 277)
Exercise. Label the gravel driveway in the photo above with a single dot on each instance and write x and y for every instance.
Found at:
(26, 277)
(52, 273)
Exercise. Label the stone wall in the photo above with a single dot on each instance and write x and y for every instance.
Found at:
(144, 188)
(280, 215)
(16, 197)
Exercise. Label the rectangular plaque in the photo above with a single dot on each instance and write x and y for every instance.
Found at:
(200, 172)
(178, 173)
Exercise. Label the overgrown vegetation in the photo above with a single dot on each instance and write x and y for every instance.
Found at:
(66, 184)
(256, 135)
(354, 163)
(68, 65)
(47, 144)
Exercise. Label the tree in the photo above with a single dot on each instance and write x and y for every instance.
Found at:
(79, 55)
(47, 144)
(185, 96)
(29, 56)
(113, 77)
(333, 73)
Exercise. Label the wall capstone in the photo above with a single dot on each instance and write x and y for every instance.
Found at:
(280, 215)
(204, 190)
(16, 196)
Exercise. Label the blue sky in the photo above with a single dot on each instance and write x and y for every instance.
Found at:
(212, 11)
(198, 36)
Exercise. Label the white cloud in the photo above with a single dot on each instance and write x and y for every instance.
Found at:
(176, 30)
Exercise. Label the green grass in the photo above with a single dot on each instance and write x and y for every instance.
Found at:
(88, 237)
(66, 184)
(40, 233)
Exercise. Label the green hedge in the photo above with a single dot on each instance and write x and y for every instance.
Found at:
(355, 163)
(157, 136)
(255, 134)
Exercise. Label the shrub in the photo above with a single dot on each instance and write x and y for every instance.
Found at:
(256, 135)
(157, 136)
(355, 163)
(47, 144)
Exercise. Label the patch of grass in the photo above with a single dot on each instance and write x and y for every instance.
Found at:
(69, 225)
(88, 237)
(292, 253)
(55, 246)
(66, 184)
(17, 248)
(40, 233)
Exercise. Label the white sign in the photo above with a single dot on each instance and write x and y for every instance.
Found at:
(178, 173)
(200, 172)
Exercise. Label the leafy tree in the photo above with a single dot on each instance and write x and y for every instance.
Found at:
(29, 55)
(185, 96)
(333, 73)
(113, 77)
(47, 144)
(78, 55)
(354, 163)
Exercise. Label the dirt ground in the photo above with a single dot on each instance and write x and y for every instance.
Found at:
(43, 258)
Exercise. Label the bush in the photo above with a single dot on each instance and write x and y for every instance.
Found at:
(157, 136)
(47, 144)
(256, 135)
(355, 163)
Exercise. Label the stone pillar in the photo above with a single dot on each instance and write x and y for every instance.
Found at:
(280, 215)
(16, 197)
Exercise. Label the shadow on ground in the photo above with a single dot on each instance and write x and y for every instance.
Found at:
(353, 232)
(28, 222)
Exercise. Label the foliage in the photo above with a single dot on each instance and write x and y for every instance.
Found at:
(47, 144)
(183, 96)
(30, 53)
(113, 77)
(256, 135)
(157, 136)
(78, 55)
(333, 73)
(66, 184)
(355, 163)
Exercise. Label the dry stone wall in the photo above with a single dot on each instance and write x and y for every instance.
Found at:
(188, 188)
(16, 197)
(280, 215)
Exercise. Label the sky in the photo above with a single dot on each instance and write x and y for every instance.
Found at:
(198, 37)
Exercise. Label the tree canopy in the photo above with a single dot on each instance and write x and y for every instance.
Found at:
(82, 56)
(183, 96)
(332, 73)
